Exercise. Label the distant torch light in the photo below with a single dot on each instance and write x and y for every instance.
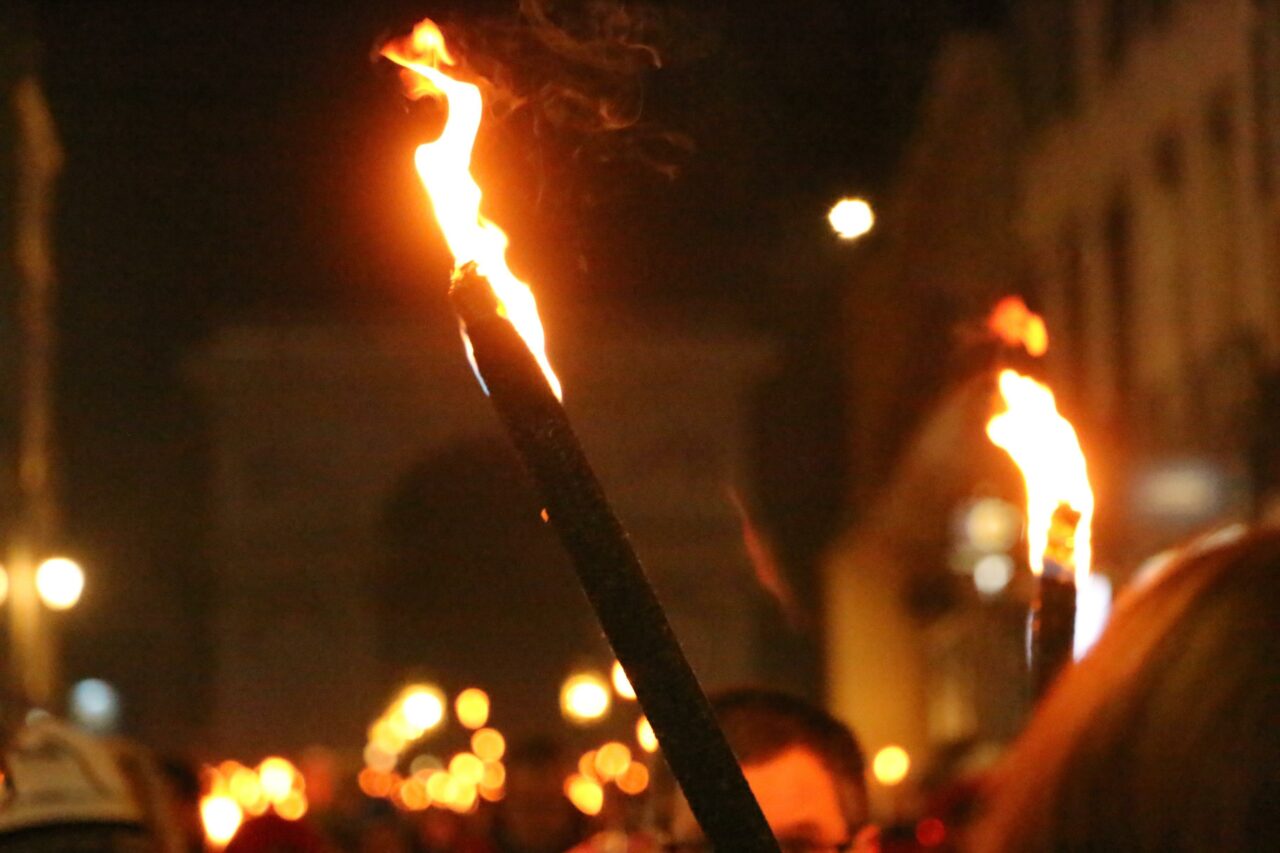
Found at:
(423, 707)
(59, 582)
(95, 705)
(472, 707)
(584, 697)
(221, 817)
(851, 218)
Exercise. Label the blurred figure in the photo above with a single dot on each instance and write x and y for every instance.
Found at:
(535, 816)
(805, 768)
(66, 791)
(1167, 735)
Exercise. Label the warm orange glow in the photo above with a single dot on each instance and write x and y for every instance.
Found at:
(276, 774)
(423, 708)
(612, 760)
(495, 776)
(221, 818)
(851, 218)
(444, 166)
(634, 780)
(891, 765)
(472, 707)
(413, 794)
(245, 788)
(1017, 325)
(644, 735)
(584, 697)
(374, 783)
(466, 768)
(587, 764)
(1044, 446)
(586, 794)
(442, 787)
(621, 684)
(292, 807)
(488, 744)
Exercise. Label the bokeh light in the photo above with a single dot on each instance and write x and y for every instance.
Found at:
(891, 765)
(95, 705)
(621, 684)
(584, 697)
(612, 760)
(634, 780)
(645, 737)
(587, 795)
(60, 582)
(276, 774)
(472, 707)
(221, 817)
(423, 707)
(488, 744)
(851, 218)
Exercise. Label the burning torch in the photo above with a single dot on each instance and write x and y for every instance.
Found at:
(505, 341)
(1045, 448)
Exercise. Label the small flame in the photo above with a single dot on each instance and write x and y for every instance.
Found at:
(1044, 446)
(1017, 325)
(444, 166)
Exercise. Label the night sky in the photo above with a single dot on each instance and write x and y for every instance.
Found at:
(232, 162)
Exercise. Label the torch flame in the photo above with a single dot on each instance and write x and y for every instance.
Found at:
(444, 166)
(1017, 325)
(1045, 448)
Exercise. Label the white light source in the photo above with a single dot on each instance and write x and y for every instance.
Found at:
(59, 582)
(1093, 607)
(851, 218)
(95, 705)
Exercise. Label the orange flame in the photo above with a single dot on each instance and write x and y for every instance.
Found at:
(444, 166)
(1016, 325)
(1044, 446)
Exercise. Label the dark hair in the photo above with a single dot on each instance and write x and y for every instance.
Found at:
(760, 724)
(1164, 737)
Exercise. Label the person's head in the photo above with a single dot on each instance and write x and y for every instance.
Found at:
(1165, 736)
(804, 766)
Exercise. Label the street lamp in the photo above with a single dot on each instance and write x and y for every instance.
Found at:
(59, 581)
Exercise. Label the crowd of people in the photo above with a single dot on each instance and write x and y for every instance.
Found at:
(1165, 737)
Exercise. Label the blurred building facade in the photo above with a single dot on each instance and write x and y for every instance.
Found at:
(1114, 161)
(373, 526)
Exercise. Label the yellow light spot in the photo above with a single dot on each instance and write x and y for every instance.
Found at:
(584, 697)
(495, 776)
(441, 787)
(472, 707)
(587, 764)
(245, 788)
(621, 684)
(612, 760)
(59, 582)
(464, 800)
(423, 707)
(221, 818)
(413, 794)
(466, 768)
(634, 780)
(276, 774)
(586, 794)
(488, 744)
(851, 218)
(891, 765)
(292, 807)
(644, 735)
